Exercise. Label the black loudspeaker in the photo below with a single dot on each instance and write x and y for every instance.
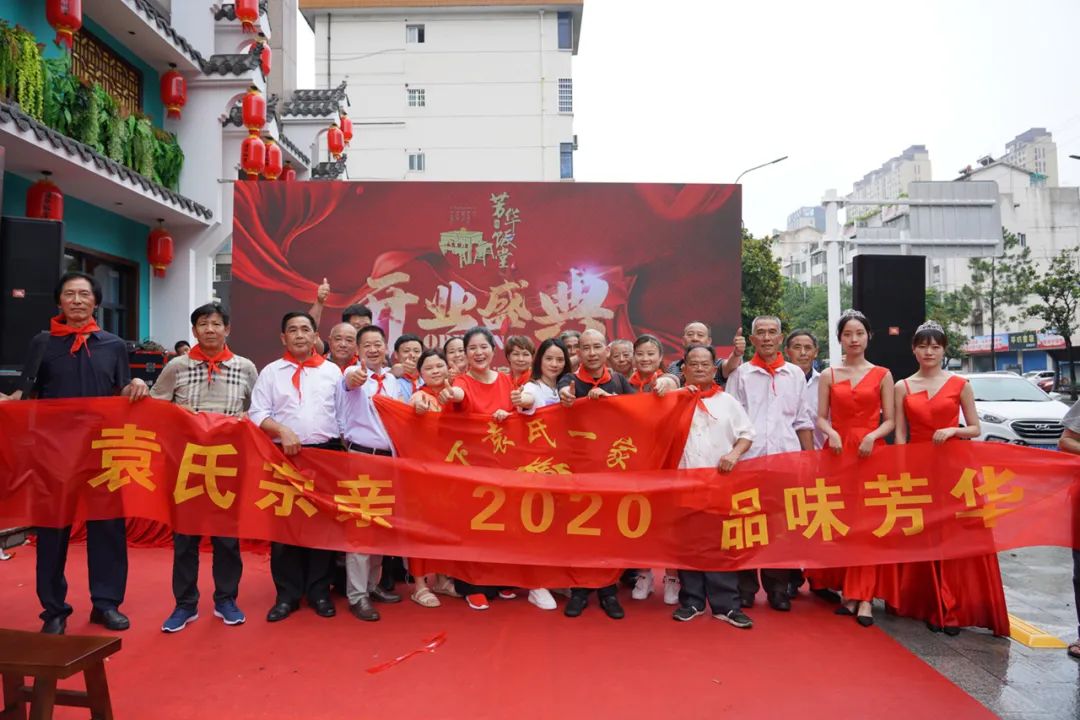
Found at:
(31, 261)
(891, 291)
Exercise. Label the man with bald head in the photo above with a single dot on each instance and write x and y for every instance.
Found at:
(593, 380)
(698, 333)
(343, 346)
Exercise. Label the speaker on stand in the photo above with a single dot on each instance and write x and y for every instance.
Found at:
(891, 291)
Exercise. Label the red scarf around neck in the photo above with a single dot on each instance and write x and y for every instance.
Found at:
(213, 363)
(413, 380)
(520, 380)
(58, 328)
(313, 361)
(355, 359)
(586, 377)
(640, 383)
(704, 394)
(771, 368)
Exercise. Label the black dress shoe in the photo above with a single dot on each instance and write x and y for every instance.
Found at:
(746, 600)
(792, 591)
(55, 625)
(362, 610)
(324, 607)
(612, 608)
(384, 596)
(576, 605)
(280, 611)
(112, 619)
(779, 601)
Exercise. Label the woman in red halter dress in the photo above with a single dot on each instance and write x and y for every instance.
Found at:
(855, 411)
(947, 594)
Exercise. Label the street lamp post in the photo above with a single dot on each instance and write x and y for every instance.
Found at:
(758, 167)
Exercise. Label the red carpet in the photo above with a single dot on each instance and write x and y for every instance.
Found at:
(513, 661)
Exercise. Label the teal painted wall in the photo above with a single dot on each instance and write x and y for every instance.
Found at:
(96, 229)
(31, 15)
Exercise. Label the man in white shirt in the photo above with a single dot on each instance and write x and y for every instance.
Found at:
(293, 403)
(802, 350)
(363, 432)
(720, 433)
(772, 392)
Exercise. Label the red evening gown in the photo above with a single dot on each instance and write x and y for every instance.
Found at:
(854, 411)
(965, 592)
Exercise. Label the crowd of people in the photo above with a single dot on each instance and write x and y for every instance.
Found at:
(320, 394)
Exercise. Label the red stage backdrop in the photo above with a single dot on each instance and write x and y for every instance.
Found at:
(435, 258)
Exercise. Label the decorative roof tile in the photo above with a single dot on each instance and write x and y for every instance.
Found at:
(294, 149)
(238, 64)
(316, 103)
(11, 113)
(162, 22)
(330, 170)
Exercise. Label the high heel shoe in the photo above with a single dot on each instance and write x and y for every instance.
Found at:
(865, 620)
(951, 630)
(843, 611)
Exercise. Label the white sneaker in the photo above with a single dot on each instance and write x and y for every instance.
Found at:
(671, 590)
(643, 585)
(542, 599)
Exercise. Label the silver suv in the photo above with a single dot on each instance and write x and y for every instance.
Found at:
(1013, 410)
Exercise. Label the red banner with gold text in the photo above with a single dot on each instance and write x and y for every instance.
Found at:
(207, 474)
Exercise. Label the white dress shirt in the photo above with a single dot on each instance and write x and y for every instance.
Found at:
(811, 401)
(714, 431)
(357, 418)
(543, 395)
(309, 413)
(775, 404)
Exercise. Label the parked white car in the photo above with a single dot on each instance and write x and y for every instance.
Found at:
(1013, 410)
(1035, 376)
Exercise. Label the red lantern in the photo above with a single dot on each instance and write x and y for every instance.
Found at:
(335, 141)
(274, 160)
(253, 156)
(253, 110)
(173, 91)
(65, 16)
(265, 56)
(247, 12)
(44, 200)
(346, 127)
(159, 249)
(289, 173)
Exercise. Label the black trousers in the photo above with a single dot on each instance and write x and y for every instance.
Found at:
(774, 581)
(185, 573)
(719, 589)
(106, 560)
(604, 592)
(300, 572)
(1076, 587)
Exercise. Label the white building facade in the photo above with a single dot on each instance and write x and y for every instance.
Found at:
(459, 90)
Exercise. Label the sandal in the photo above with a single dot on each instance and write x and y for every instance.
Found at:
(1074, 649)
(425, 598)
(445, 586)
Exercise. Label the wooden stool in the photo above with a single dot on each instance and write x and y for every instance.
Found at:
(48, 658)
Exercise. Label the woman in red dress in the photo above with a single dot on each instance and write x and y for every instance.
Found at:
(855, 411)
(481, 390)
(947, 594)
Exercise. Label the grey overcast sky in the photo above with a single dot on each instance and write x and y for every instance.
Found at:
(699, 90)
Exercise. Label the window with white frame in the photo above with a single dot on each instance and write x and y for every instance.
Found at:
(416, 98)
(414, 34)
(566, 95)
(416, 162)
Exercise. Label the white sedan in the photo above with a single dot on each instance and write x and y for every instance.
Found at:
(1013, 410)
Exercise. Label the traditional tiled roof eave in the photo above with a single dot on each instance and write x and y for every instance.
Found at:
(156, 17)
(316, 103)
(228, 12)
(232, 64)
(11, 113)
(330, 170)
(294, 149)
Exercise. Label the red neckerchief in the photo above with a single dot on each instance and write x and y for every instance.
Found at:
(639, 382)
(521, 379)
(702, 395)
(57, 328)
(584, 376)
(212, 363)
(354, 360)
(380, 380)
(770, 368)
(413, 379)
(313, 361)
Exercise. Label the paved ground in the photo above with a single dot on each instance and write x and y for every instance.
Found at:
(1014, 681)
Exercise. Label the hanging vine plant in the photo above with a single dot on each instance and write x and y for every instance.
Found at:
(142, 146)
(29, 76)
(9, 55)
(60, 90)
(168, 159)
